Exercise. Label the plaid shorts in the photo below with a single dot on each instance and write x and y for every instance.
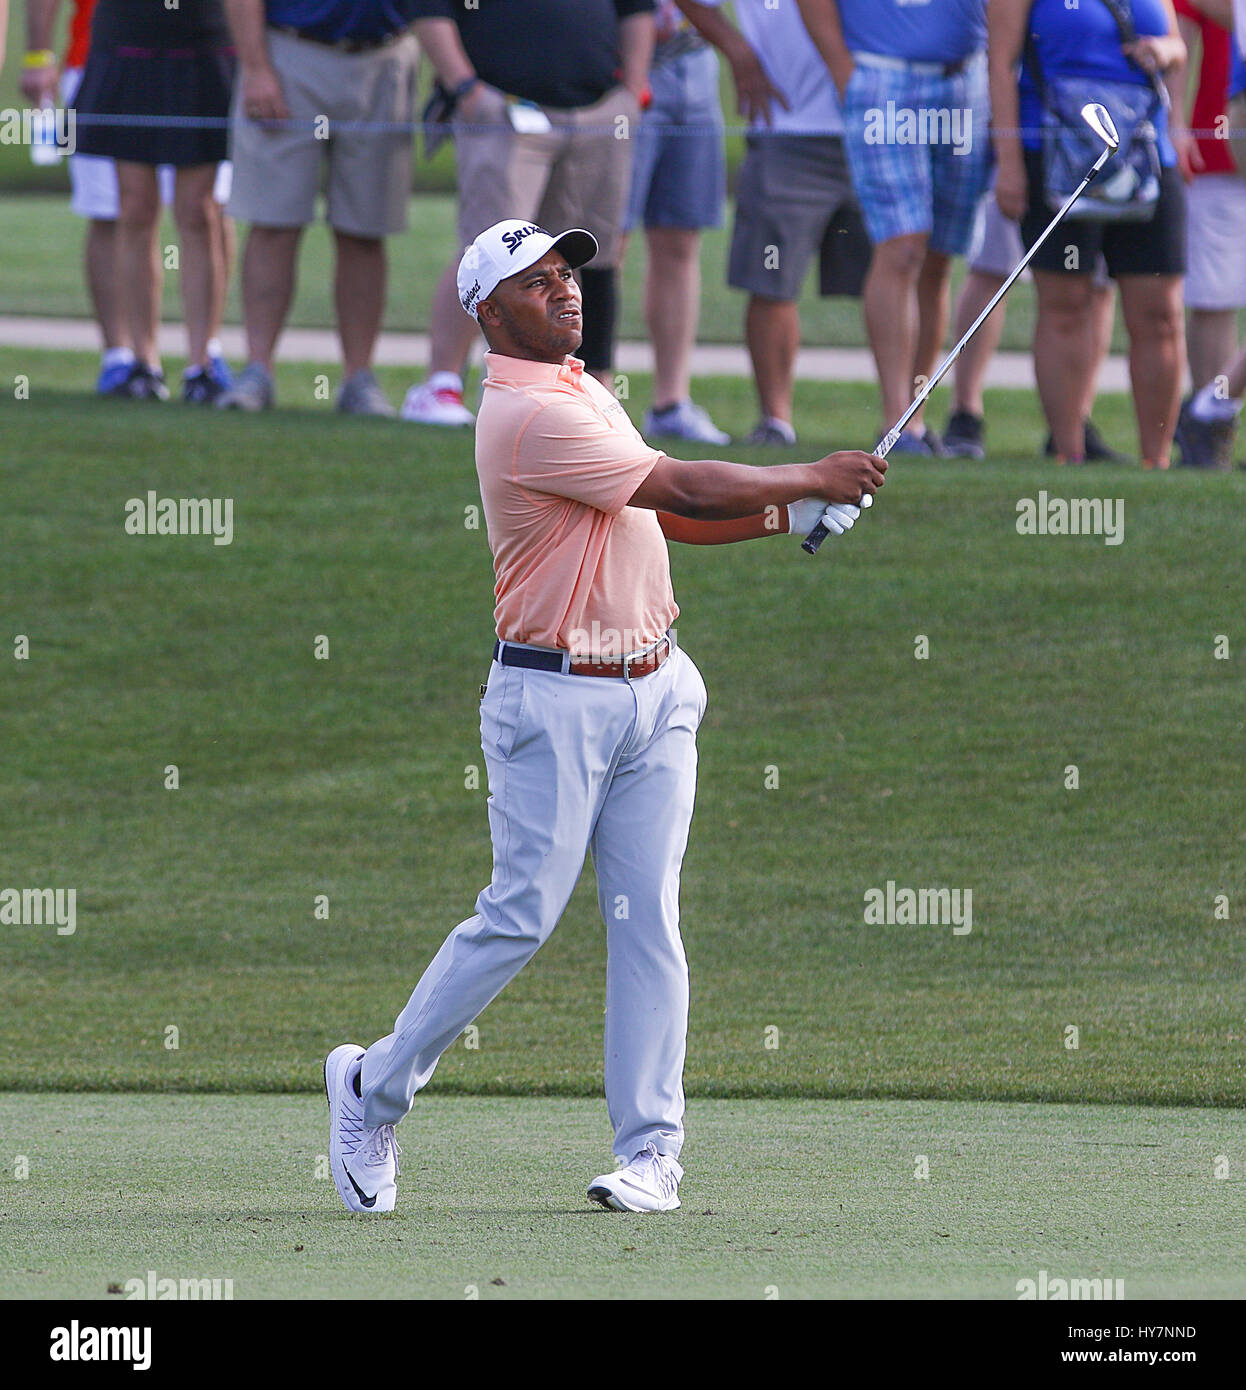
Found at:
(919, 148)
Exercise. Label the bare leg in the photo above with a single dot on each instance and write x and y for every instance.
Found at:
(891, 318)
(451, 331)
(672, 306)
(1237, 377)
(932, 314)
(1102, 314)
(1152, 309)
(772, 331)
(202, 272)
(1064, 353)
(1211, 339)
(225, 233)
(969, 373)
(359, 297)
(137, 269)
(267, 288)
(99, 258)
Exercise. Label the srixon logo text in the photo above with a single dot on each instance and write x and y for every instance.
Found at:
(511, 240)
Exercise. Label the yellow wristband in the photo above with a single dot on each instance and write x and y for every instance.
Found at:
(39, 58)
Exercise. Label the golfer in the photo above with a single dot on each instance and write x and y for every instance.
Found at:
(589, 719)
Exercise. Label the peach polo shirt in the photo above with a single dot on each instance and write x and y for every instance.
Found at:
(558, 459)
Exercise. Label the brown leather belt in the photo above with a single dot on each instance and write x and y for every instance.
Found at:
(643, 663)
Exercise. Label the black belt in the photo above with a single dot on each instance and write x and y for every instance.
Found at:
(549, 659)
(342, 45)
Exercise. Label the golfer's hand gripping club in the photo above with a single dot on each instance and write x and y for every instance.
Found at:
(1098, 119)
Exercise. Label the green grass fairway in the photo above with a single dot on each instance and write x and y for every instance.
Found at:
(832, 762)
(794, 1199)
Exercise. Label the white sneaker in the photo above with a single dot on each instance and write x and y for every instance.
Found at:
(364, 1161)
(650, 1182)
(438, 401)
(684, 421)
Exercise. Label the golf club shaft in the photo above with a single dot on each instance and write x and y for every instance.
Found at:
(819, 533)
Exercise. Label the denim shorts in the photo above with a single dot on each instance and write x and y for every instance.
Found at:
(679, 177)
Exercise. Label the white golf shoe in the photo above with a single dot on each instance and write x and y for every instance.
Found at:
(650, 1182)
(364, 1161)
(438, 401)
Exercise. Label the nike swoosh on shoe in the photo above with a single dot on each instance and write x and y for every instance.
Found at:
(359, 1192)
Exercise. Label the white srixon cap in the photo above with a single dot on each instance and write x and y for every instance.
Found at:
(508, 247)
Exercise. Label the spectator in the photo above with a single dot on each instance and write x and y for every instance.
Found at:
(1146, 258)
(897, 64)
(794, 197)
(538, 91)
(1237, 87)
(679, 181)
(323, 84)
(1215, 282)
(93, 181)
(153, 63)
(993, 252)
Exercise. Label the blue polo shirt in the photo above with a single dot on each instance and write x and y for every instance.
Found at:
(1237, 69)
(332, 20)
(921, 31)
(1085, 42)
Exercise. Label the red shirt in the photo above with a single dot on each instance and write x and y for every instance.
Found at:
(80, 34)
(1213, 81)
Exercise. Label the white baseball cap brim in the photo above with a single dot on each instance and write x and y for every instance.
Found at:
(508, 247)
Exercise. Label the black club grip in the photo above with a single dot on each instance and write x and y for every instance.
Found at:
(814, 539)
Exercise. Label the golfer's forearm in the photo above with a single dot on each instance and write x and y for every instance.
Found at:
(246, 24)
(635, 51)
(772, 522)
(40, 22)
(713, 490)
(439, 38)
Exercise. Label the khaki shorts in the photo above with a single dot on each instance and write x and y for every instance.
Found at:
(577, 175)
(1215, 211)
(366, 173)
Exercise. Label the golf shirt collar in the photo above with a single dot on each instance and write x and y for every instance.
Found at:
(523, 371)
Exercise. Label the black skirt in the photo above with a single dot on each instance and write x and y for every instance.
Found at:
(160, 79)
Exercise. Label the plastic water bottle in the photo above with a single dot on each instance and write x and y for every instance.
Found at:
(43, 146)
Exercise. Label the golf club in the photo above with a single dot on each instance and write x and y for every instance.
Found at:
(1097, 118)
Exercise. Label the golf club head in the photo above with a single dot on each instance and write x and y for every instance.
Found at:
(1097, 118)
